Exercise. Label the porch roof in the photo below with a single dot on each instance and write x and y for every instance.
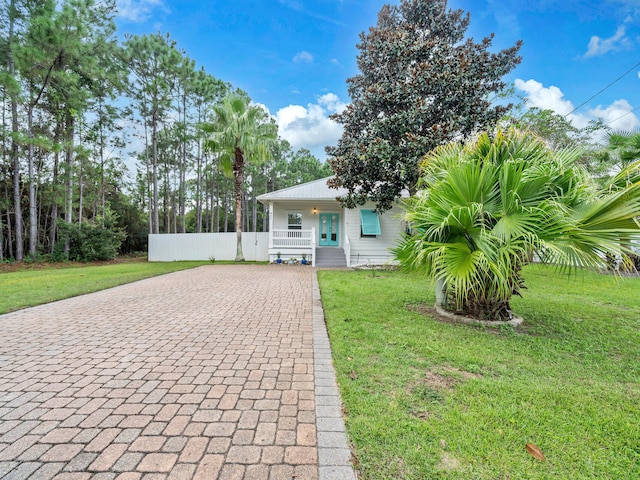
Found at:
(315, 190)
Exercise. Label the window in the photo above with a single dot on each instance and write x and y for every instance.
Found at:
(294, 221)
(369, 223)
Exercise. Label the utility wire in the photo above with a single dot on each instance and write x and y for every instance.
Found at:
(621, 116)
(605, 88)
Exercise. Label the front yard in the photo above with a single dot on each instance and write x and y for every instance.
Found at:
(425, 399)
(25, 285)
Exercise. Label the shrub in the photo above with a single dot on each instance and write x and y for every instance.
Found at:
(90, 241)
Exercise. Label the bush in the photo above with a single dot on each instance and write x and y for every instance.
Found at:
(90, 241)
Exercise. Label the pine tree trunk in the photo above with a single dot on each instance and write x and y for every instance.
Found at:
(215, 208)
(102, 185)
(254, 214)
(33, 219)
(1, 238)
(4, 151)
(174, 209)
(166, 203)
(154, 147)
(17, 194)
(53, 233)
(226, 211)
(265, 210)
(149, 196)
(198, 189)
(81, 195)
(183, 170)
(68, 215)
(9, 231)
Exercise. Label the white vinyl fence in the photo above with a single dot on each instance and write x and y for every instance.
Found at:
(204, 246)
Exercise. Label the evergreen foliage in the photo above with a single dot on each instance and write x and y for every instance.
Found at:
(65, 135)
(90, 241)
(421, 84)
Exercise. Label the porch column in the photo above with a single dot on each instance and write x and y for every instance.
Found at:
(270, 224)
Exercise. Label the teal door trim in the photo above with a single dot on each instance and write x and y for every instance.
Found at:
(329, 230)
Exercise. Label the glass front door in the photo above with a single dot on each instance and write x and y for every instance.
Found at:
(329, 230)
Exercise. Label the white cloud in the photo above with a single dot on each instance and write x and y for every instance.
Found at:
(332, 102)
(303, 57)
(138, 10)
(618, 115)
(598, 46)
(309, 127)
(543, 97)
(638, 74)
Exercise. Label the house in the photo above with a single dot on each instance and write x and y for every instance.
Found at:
(308, 220)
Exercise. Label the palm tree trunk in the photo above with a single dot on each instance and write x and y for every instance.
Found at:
(238, 177)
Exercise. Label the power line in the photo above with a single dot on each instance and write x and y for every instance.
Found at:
(621, 116)
(605, 88)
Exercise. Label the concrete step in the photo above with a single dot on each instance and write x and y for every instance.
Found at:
(330, 257)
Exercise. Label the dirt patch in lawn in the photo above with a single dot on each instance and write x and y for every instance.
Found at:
(446, 377)
(436, 381)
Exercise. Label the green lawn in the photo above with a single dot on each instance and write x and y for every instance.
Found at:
(426, 399)
(29, 287)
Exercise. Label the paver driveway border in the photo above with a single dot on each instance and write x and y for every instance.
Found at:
(174, 378)
(334, 454)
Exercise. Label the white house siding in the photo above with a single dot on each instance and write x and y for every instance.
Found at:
(374, 250)
(204, 246)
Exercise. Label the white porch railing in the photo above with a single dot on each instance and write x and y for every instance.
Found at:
(288, 244)
(292, 238)
(347, 250)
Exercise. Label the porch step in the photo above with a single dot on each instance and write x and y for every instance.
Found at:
(330, 257)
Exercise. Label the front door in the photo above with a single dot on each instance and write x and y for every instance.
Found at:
(329, 230)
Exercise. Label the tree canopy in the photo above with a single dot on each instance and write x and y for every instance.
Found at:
(77, 104)
(421, 84)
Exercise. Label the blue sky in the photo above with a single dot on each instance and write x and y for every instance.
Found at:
(294, 56)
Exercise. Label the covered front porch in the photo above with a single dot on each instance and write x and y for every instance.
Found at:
(306, 220)
(305, 231)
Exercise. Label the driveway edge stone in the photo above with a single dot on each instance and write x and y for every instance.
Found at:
(334, 454)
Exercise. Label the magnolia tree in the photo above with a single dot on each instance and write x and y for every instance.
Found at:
(421, 84)
(484, 209)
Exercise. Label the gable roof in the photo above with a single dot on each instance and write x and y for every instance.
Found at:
(315, 190)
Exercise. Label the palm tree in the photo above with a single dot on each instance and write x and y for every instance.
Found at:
(623, 147)
(239, 132)
(485, 209)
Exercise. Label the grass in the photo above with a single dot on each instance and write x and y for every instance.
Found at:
(43, 283)
(429, 399)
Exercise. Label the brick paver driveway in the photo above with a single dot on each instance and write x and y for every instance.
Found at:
(203, 374)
